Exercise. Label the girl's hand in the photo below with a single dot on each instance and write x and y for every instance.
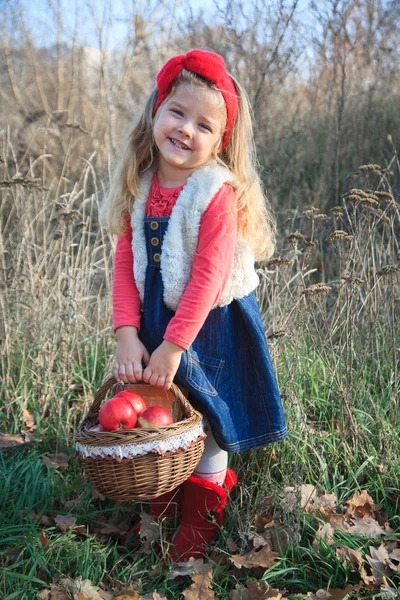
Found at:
(129, 356)
(163, 365)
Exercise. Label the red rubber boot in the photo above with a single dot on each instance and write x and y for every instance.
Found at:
(165, 506)
(202, 515)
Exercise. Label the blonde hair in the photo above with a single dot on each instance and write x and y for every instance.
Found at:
(256, 223)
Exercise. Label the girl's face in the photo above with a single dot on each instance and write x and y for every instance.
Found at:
(187, 132)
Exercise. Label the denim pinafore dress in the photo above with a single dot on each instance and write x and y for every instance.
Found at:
(228, 369)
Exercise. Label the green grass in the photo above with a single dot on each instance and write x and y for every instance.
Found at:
(330, 457)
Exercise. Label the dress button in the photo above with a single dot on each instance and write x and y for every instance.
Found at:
(157, 257)
(154, 241)
(154, 225)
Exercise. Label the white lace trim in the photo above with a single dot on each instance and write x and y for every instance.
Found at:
(172, 444)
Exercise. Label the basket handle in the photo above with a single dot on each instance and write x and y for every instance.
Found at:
(187, 408)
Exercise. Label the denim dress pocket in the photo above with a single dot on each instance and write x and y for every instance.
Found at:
(203, 372)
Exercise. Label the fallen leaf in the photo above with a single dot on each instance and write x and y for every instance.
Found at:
(128, 595)
(56, 461)
(325, 504)
(330, 594)
(114, 529)
(8, 440)
(29, 420)
(263, 558)
(380, 562)
(326, 533)
(83, 589)
(65, 522)
(366, 527)
(96, 495)
(44, 538)
(338, 521)
(194, 566)
(150, 531)
(55, 593)
(389, 593)
(231, 545)
(46, 521)
(276, 536)
(201, 587)
(255, 590)
(361, 505)
(344, 553)
(305, 495)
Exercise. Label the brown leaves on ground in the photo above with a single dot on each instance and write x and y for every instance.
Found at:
(56, 461)
(261, 558)
(8, 440)
(255, 590)
(80, 589)
(29, 420)
(149, 531)
(65, 522)
(360, 517)
(201, 587)
(329, 594)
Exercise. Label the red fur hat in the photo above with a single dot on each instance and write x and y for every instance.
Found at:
(209, 65)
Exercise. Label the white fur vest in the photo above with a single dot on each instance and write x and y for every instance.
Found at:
(181, 238)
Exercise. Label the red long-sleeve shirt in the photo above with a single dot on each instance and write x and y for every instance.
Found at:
(212, 264)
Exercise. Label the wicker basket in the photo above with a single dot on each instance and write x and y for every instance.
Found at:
(143, 476)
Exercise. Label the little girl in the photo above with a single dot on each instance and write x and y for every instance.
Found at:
(187, 204)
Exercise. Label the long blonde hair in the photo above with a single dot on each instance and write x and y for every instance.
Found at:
(256, 224)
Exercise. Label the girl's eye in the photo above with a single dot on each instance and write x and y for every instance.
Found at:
(204, 126)
(177, 111)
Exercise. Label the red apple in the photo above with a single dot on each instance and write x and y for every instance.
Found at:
(137, 401)
(96, 428)
(117, 413)
(155, 416)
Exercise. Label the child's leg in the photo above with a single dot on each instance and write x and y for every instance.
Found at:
(205, 497)
(214, 461)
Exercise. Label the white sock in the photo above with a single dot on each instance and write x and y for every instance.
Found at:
(214, 460)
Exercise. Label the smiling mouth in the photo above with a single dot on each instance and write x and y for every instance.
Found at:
(179, 145)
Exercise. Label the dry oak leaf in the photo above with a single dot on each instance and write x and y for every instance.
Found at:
(380, 562)
(343, 553)
(65, 522)
(150, 531)
(194, 566)
(255, 590)
(339, 521)
(56, 461)
(263, 558)
(305, 493)
(114, 529)
(133, 594)
(44, 538)
(201, 587)
(326, 533)
(82, 589)
(330, 594)
(325, 504)
(54, 594)
(276, 536)
(29, 420)
(8, 440)
(367, 527)
(361, 505)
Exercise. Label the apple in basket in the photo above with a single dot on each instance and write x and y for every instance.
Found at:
(117, 413)
(95, 428)
(137, 401)
(155, 416)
